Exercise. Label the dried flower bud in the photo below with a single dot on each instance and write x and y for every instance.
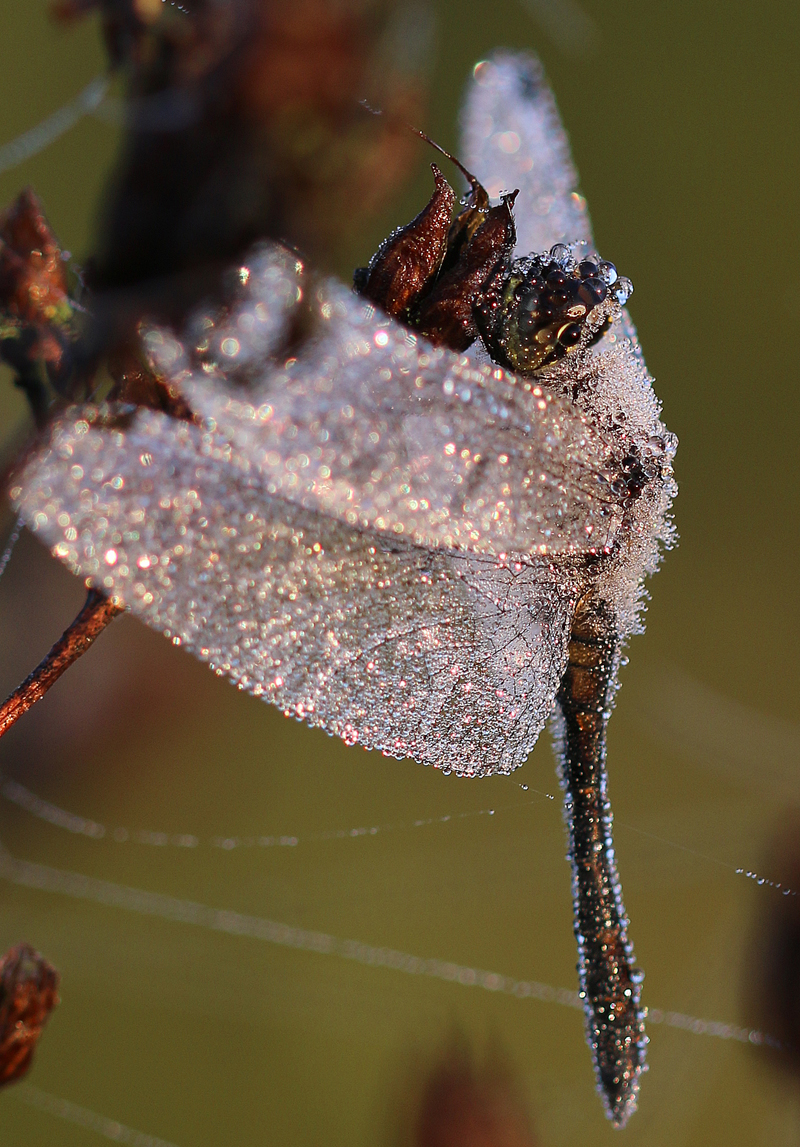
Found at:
(28, 993)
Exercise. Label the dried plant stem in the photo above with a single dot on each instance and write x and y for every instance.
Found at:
(96, 614)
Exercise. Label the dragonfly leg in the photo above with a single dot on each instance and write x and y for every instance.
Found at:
(609, 979)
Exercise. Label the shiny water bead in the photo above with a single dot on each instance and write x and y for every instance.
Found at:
(569, 335)
(607, 272)
(592, 291)
(622, 290)
(561, 255)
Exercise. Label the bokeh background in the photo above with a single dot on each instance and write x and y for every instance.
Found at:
(684, 123)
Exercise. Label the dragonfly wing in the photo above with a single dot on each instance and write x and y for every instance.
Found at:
(373, 426)
(512, 137)
(451, 659)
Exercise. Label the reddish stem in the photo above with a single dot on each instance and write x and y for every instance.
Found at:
(76, 639)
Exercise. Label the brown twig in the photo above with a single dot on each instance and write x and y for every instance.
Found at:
(76, 639)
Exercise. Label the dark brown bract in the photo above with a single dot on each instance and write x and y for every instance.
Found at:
(431, 274)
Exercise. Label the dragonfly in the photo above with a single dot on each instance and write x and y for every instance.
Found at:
(426, 551)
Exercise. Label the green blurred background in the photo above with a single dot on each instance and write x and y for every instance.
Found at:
(684, 124)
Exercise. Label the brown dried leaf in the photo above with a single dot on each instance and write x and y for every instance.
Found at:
(28, 993)
(33, 281)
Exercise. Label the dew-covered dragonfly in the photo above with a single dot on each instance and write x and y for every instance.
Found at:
(427, 551)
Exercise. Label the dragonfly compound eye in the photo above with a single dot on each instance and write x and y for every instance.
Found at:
(540, 311)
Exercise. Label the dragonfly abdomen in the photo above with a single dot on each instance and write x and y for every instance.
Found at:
(609, 979)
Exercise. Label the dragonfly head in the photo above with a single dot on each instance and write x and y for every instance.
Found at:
(545, 306)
